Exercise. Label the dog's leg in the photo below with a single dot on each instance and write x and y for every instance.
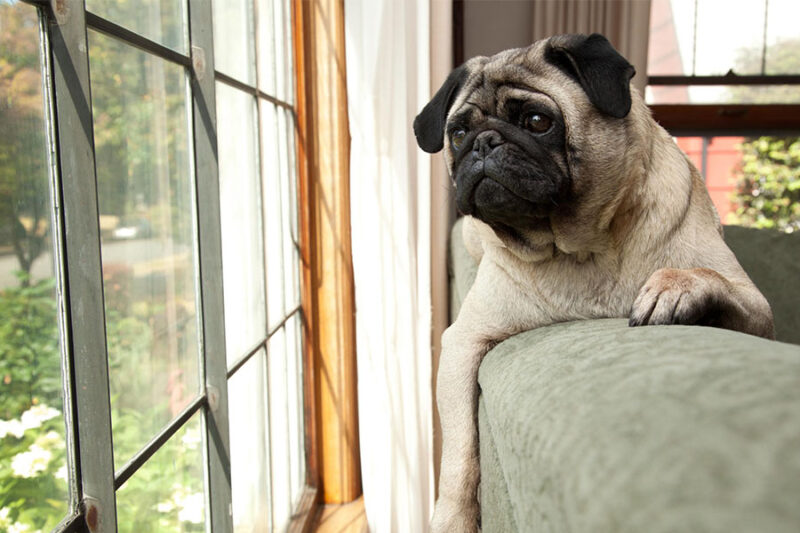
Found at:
(457, 509)
(705, 297)
(488, 316)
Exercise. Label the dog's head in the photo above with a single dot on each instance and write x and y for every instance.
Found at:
(533, 137)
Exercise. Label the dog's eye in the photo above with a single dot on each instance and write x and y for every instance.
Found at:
(536, 122)
(457, 138)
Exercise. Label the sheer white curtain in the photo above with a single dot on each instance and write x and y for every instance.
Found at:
(387, 45)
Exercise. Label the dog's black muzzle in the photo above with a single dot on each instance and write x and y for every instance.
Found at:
(505, 175)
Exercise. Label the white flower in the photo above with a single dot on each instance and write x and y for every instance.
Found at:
(19, 528)
(4, 520)
(30, 419)
(33, 417)
(13, 427)
(192, 508)
(51, 439)
(28, 464)
(166, 507)
(192, 438)
(12, 527)
(62, 473)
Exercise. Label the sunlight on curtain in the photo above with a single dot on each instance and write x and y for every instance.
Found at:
(388, 83)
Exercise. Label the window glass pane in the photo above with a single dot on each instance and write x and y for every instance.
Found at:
(291, 266)
(167, 493)
(283, 266)
(162, 21)
(273, 151)
(284, 80)
(783, 37)
(291, 136)
(294, 365)
(33, 462)
(145, 198)
(671, 28)
(723, 94)
(708, 37)
(247, 409)
(266, 46)
(234, 49)
(275, 68)
(282, 442)
(735, 44)
(240, 211)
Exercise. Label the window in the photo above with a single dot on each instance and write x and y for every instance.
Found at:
(727, 82)
(34, 476)
(151, 363)
(716, 69)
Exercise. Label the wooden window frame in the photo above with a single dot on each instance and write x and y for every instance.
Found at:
(727, 119)
(328, 288)
(328, 299)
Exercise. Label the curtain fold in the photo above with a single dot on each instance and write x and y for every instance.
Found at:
(387, 57)
(626, 23)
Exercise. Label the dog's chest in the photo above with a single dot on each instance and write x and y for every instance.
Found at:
(570, 290)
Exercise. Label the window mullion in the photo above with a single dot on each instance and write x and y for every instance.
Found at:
(83, 266)
(207, 179)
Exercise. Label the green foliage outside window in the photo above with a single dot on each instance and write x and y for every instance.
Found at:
(33, 475)
(768, 186)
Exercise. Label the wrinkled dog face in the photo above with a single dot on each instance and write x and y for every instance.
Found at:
(508, 155)
(510, 144)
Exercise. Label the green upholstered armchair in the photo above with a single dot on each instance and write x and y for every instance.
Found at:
(594, 426)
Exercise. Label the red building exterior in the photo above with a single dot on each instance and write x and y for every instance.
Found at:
(718, 159)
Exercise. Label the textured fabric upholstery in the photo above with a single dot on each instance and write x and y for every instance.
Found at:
(595, 426)
(772, 260)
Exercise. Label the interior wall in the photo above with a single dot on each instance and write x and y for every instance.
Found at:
(491, 26)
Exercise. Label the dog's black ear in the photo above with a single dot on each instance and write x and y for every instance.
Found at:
(429, 124)
(602, 72)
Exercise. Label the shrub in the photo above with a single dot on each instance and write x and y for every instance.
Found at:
(768, 184)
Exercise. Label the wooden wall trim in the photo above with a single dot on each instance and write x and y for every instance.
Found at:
(309, 401)
(328, 294)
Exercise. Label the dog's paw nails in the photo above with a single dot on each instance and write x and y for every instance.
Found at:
(674, 296)
(450, 517)
(643, 307)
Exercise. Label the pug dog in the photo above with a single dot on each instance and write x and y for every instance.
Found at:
(578, 206)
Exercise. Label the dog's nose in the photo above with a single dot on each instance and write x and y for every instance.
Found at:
(487, 141)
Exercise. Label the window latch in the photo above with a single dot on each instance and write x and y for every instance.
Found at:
(198, 62)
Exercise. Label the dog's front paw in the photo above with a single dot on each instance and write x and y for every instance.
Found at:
(676, 296)
(452, 517)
